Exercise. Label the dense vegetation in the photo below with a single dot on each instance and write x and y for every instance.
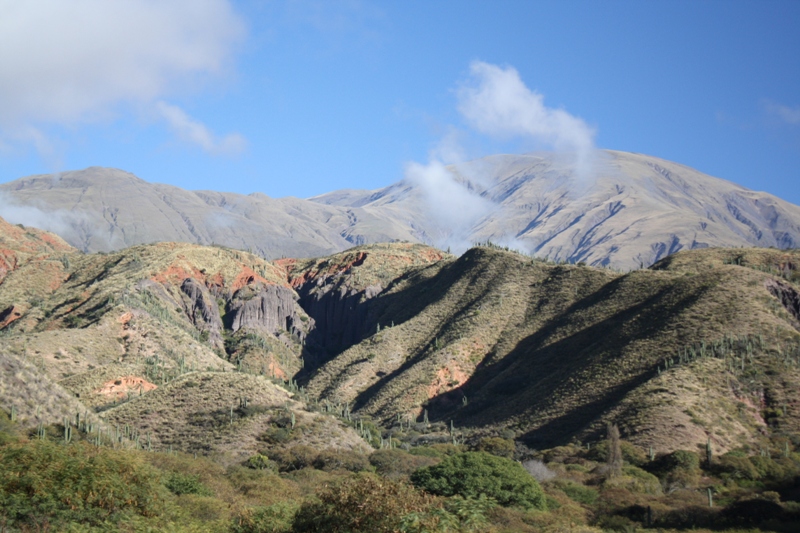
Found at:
(47, 484)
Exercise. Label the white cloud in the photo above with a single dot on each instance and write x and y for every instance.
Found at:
(452, 207)
(496, 102)
(66, 63)
(787, 114)
(189, 130)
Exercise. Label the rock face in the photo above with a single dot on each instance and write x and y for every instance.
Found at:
(270, 308)
(632, 211)
(201, 308)
(341, 315)
(788, 296)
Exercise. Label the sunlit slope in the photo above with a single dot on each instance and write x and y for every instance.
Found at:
(629, 210)
(104, 209)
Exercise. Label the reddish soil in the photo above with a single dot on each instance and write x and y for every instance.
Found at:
(246, 277)
(120, 387)
(176, 274)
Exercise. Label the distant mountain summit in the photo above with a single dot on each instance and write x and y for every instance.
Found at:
(631, 210)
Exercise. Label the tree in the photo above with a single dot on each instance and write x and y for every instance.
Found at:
(473, 474)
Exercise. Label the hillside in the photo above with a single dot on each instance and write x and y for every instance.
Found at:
(631, 211)
(552, 352)
(703, 345)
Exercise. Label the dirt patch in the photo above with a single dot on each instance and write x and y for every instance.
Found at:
(120, 387)
(447, 378)
(176, 274)
(246, 277)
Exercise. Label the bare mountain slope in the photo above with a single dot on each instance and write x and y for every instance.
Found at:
(104, 209)
(633, 211)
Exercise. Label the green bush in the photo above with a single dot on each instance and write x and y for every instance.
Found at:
(44, 483)
(497, 446)
(457, 514)
(736, 467)
(577, 492)
(361, 503)
(426, 451)
(397, 463)
(333, 459)
(294, 458)
(260, 462)
(768, 468)
(630, 453)
(473, 474)
(277, 518)
(181, 483)
(679, 459)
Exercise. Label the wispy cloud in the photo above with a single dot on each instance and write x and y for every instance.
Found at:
(68, 63)
(784, 113)
(451, 205)
(194, 132)
(496, 102)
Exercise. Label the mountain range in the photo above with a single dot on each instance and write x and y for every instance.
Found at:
(630, 211)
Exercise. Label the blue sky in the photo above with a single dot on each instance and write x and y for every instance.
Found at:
(303, 97)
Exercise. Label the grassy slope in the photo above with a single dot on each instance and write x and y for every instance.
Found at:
(555, 351)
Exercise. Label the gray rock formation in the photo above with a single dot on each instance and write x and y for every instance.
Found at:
(271, 309)
(201, 308)
(341, 316)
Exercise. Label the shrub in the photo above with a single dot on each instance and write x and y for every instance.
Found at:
(262, 487)
(577, 492)
(680, 468)
(635, 480)
(260, 462)
(458, 514)
(736, 467)
(679, 460)
(768, 468)
(181, 483)
(472, 474)
(752, 512)
(427, 451)
(333, 459)
(294, 458)
(630, 453)
(361, 503)
(44, 483)
(277, 518)
(397, 463)
(497, 446)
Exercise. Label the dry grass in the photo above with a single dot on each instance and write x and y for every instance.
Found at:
(206, 413)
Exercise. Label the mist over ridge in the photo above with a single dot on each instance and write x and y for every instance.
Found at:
(636, 210)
